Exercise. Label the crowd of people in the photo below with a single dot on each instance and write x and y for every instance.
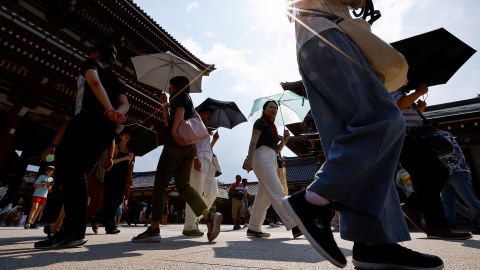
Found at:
(354, 115)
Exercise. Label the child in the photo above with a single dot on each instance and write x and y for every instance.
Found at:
(42, 185)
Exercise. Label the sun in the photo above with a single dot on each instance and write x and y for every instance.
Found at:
(269, 13)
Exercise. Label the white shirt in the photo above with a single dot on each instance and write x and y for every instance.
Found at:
(204, 149)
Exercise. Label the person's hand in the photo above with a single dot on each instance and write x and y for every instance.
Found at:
(216, 135)
(286, 135)
(422, 89)
(108, 164)
(247, 165)
(162, 98)
(115, 116)
(130, 157)
(197, 165)
(421, 105)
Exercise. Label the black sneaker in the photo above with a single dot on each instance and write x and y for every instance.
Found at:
(236, 227)
(296, 232)
(150, 235)
(392, 256)
(314, 222)
(60, 242)
(257, 234)
(112, 231)
(95, 226)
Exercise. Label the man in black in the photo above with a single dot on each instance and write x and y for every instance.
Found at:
(87, 135)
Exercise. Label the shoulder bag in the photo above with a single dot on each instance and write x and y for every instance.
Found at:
(390, 65)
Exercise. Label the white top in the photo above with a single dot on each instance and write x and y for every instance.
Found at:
(204, 149)
(319, 24)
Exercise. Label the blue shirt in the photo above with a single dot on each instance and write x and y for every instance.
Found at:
(42, 191)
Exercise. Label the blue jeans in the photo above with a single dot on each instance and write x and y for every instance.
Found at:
(362, 131)
(459, 183)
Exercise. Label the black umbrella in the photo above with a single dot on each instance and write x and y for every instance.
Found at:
(433, 57)
(225, 113)
(142, 139)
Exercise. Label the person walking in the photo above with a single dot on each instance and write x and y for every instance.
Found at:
(202, 176)
(361, 131)
(176, 161)
(114, 184)
(459, 183)
(43, 184)
(265, 143)
(236, 193)
(86, 136)
(428, 174)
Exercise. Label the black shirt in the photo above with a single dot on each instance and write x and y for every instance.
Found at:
(183, 100)
(267, 137)
(91, 106)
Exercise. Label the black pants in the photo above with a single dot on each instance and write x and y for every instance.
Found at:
(82, 144)
(113, 190)
(428, 176)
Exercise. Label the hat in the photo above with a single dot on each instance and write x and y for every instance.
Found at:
(50, 167)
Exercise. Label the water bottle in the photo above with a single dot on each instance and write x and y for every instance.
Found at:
(50, 157)
(406, 181)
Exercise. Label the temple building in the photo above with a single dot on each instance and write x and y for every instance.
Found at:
(42, 45)
(461, 118)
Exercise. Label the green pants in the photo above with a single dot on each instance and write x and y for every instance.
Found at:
(175, 161)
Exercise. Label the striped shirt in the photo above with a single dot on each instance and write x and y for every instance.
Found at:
(410, 114)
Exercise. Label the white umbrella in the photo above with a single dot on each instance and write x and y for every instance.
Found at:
(157, 69)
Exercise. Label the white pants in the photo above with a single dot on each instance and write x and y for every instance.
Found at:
(270, 190)
(205, 184)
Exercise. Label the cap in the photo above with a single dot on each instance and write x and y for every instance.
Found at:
(50, 167)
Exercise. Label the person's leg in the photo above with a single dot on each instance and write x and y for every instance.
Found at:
(355, 117)
(31, 215)
(448, 196)
(265, 168)
(37, 214)
(259, 209)
(462, 183)
(193, 199)
(210, 187)
(116, 186)
(167, 164)
(197, 181)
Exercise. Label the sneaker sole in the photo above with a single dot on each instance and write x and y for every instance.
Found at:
(308, 236)
(215, 227)
(366, 265)
(71, 244)
(151, 239)
(448, 238)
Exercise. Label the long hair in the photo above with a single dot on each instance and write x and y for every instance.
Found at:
(272, 122)
(265, 105)
(180, 83)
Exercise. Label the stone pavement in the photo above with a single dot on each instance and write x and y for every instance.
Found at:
(233, 250)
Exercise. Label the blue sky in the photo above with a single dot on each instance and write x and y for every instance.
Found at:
(252, 46)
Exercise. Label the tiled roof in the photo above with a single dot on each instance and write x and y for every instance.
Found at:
(457, 108)
(301, 171)
(3, 192)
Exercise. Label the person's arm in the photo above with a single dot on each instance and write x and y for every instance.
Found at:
(111, 153)
(56, 141)
(283, 142)
(407, 101)
(177, 118)
(247, 165)
(124, 104)
(91, 76)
